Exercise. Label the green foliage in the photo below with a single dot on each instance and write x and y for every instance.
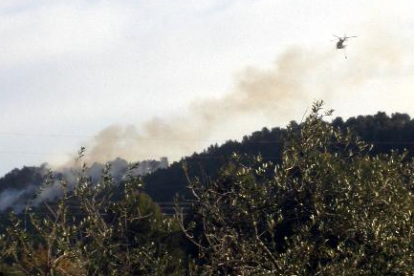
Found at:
(18, 179)
(329, 209)
(386, 132)
(328, 205)
(88, 232)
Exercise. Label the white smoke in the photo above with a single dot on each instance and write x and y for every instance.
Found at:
(273, 96)
(17, 200)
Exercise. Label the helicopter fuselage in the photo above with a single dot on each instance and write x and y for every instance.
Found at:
(340, 44)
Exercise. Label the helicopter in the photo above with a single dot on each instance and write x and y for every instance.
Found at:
(341, 42)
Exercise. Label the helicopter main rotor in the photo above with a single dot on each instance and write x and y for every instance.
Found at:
(341, 40)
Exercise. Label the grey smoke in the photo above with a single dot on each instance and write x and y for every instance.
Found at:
(273, 95)
(17, 200)
(279, 93)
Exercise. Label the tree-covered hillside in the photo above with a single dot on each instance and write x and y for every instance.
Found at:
(384, 131)
(331, 206)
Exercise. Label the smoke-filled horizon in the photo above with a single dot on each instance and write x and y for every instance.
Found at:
(155, 78)
(268, 97)
(29, 194)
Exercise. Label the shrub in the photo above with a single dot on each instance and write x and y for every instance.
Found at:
(102, 229)
(329, 209)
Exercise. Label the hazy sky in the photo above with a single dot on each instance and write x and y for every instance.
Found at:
(71, 70)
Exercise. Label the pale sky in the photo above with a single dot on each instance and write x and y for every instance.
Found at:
(69, 69)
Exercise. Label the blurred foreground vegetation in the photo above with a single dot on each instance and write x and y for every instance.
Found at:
(331, 206)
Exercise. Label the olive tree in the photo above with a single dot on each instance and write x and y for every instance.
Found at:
(93, 229)
(330, 208)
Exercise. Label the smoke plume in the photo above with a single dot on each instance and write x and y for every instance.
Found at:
(260, 97)
(30, 195)
(15, 199)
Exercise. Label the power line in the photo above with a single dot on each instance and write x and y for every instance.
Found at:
(52, 135)
(199, 155)
(34, 153)
(117, 138)
(106, 137)
(45, 135)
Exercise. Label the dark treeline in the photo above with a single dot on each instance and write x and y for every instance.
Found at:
(386, 133)
(20, 178)
(310, 200)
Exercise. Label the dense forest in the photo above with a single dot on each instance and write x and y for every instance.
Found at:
(311, 199)
(321, 201)
(386, 133)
